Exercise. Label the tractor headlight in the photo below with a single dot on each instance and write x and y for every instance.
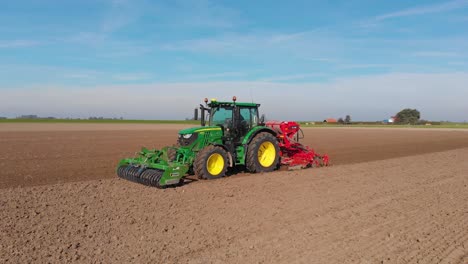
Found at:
(187, 139)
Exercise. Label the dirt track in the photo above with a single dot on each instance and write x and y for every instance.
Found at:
(373, 206)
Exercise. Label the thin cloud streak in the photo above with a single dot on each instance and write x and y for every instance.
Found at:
(436, 54)
(139, 76)
(423, 10)
(120, 13)
(292, 77)
(198, 14)
(215, 75)
(315, 45)
(18, 43)
(364, 66)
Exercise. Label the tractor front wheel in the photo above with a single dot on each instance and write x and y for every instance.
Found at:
(211, 163)
(263, 153)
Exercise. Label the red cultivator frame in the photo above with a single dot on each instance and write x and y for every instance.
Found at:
(294, 154)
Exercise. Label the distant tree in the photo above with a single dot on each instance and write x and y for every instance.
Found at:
(347, 119)
(340, 120)
(408, 116)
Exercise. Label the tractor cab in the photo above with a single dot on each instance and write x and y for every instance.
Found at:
(236, 119)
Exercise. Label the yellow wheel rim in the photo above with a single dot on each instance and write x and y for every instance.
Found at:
(266, 154)
(215, 164)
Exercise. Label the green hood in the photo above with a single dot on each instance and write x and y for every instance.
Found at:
(193, 130)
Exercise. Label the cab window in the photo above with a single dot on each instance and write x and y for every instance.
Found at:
(222, 116)
(248, 117)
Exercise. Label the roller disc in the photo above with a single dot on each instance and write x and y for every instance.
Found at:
(121, 170)
(148, 177)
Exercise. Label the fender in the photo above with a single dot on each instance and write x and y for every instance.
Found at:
(255, 131)
(248, 138)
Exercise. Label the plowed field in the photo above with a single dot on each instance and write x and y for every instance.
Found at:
(392, 196)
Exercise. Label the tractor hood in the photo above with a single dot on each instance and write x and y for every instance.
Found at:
(194, 130)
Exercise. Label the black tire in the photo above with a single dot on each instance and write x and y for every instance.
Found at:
(253, 162)
(208, 155)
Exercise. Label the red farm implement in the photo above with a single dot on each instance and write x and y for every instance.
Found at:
(294, 154)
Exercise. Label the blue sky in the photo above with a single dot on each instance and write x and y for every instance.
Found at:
(304, 60)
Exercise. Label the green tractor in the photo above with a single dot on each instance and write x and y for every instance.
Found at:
(231, 134)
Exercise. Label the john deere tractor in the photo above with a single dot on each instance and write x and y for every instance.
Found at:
(231, 134)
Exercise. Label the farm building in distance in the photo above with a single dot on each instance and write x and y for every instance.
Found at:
(391, 120)
(330, 120)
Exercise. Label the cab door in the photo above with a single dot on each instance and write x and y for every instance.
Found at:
(248, 119)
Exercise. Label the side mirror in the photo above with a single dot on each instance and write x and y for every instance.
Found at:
(262, 119)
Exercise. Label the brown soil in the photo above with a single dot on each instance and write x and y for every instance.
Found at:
(373, 206)
(40, 154)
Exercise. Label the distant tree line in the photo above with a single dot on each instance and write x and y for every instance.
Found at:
(104, 118)
(346, 120)
(405, 116)
(34, 117)
(68, 118)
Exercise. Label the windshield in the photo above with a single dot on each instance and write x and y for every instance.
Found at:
(221, 116)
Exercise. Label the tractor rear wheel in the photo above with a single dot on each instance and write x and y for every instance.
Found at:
(211, 163)
(263, 153)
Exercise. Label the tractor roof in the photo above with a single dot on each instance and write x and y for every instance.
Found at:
(216, 103)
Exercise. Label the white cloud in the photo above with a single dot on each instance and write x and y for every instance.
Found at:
(364, 66)
(427, 9)
(54, 74)
(88, 76)
(138, 76)
(436, 54)
(198, 14)
(291, 77)
(119, 14)
(18, 43)
(87, 38)
(214, 75)
(437, 96)
(307, 45)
